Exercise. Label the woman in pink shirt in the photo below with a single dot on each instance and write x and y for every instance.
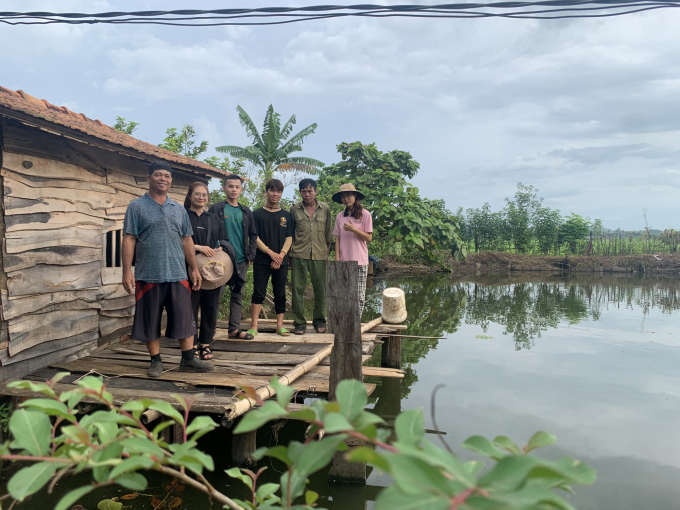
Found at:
(353, 231)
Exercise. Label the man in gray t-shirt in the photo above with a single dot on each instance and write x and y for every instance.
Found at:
(157, 230)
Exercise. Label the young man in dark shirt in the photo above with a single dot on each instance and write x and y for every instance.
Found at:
(275, 228)
(240, 227)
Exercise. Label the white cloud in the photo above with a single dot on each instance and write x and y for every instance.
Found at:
(479, 103)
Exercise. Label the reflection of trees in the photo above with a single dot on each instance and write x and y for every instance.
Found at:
(435, 307)
(525, 309)
(525, 304)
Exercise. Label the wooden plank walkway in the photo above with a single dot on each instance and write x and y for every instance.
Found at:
(237, 363)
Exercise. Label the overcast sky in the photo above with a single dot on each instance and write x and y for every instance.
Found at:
(588, 111)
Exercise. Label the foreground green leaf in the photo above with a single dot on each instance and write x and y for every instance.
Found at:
(72, 497)
(539, 440)
(32, 431)
(352, 397)
(484, 447)
(30, 480)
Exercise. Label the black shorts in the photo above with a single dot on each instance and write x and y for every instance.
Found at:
(151, 299)
(261, 274)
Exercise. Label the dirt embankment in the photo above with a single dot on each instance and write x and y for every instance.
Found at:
(667, 263)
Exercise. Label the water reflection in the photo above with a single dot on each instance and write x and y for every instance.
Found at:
(526, 306)
(590, 358)
(568, 354)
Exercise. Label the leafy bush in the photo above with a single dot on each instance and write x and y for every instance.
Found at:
(403, 221)
(114, 445)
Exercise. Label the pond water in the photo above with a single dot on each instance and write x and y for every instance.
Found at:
(592, 359)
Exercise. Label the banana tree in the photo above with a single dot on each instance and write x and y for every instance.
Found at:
(271, 150)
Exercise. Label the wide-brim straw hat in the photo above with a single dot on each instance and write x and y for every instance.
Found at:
(215, 271)
(347, 187)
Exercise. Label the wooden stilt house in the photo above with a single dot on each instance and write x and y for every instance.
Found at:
(67, 181)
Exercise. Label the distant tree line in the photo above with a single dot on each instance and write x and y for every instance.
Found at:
(525, 225)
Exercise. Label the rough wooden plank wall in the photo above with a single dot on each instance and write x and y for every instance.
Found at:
(60, 198)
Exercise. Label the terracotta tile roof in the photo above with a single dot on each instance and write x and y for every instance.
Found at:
(19, 101)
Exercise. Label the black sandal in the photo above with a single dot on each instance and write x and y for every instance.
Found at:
(206, 353)
(319, 326)
(300, 330)
(246, 335)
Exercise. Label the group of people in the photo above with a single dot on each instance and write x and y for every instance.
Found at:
(164, 239)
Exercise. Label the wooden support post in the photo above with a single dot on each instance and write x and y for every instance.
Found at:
(391, 352)
(345, 323)
(343, 318)
(242, 448)
(167, 435)
(177, 433)
(171, 434)
(345, 471)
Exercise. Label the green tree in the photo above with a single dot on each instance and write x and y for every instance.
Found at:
(124, 126)
(271, 150)
(182, 142)
(520, 213)
(486, 230)
(546, 229)
(574, 229)
(403, 221)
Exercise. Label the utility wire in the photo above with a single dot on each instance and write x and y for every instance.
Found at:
(547, 9)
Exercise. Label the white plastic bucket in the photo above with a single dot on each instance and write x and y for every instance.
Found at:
(394, 306)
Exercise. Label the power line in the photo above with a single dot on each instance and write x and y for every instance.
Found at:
(547, 9)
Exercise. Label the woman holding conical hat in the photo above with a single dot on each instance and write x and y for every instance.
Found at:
(214, 264)
(353, 231)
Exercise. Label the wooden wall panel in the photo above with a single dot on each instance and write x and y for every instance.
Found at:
(29, 330)
(44, 279)
(35, 142)
(16, 371)
(14, 205)
(31, 141)
(24, 240)
(48, 167)
(108, 325)
(95, 199)
(56, 182)
(121, 312)
(55, 255)
(17, 306)
(47, 347)
(54, 220)
(118, 303)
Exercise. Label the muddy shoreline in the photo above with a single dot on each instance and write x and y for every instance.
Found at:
(666, 263)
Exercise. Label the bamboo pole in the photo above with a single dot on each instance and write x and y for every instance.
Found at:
(370, 325)
(412, 336)
(233, 411)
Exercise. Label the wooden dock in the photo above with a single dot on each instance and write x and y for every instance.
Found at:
(237, 363)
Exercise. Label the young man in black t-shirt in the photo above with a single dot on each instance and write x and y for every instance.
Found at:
(275, 229)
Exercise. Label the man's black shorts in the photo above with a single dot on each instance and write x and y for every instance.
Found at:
(151, 298)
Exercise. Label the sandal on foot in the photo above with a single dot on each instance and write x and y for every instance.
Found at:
(300, 330)
(283, 332)
(197, 353)
(319, 326)
(206, 352)
(250, 334)
(242, 334)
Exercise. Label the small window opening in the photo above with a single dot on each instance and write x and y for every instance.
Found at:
(114, 248)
